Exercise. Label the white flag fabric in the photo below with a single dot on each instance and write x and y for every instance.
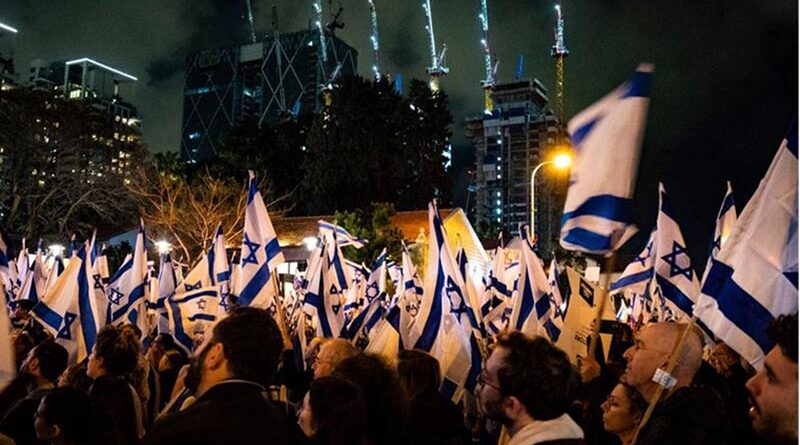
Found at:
(167, 285)
(261, 253)
(326, 229)
(192, 314)
(674, 273)
(8, 365)
(639, 272)
(127, 289)
(325, 292)
(607, 140)
(726, 218)
(753, 279)
(531, 304)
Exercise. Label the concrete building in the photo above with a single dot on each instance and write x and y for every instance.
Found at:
(509, 144)
(262, 82)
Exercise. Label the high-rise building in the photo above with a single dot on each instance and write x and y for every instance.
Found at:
(104, 88)
(260, 82)
(8, 76)
(509, 143)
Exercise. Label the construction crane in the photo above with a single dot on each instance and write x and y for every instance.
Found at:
(250, 20)
(437, 68)
(559, 51)
(318, 24)
(373, 38)
(489, 68)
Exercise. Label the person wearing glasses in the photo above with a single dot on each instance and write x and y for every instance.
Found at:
(527, 385)
(332, 352)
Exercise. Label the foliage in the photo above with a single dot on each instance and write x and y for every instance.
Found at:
(372, 145)
(59, 163)
(373, 225)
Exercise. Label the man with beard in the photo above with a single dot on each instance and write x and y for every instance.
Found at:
(686, 414)
(773, 390)
(229, 374)
(527, 385)
(41, 369)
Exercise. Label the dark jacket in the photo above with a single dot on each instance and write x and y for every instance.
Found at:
(233, 412)
(18, 421)
(693, 415)
(434, 419)
(116, 402)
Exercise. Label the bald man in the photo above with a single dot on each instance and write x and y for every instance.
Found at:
(332, 352)
(686, 414)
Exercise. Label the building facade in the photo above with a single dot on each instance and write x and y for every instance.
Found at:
(263, 82)
(509, 144)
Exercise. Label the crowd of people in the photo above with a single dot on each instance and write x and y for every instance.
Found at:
(242, 385)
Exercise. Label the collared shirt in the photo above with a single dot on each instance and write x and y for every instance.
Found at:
(538, 431)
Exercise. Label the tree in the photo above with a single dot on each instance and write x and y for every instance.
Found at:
(59, 169)
(375, 226)
(371, 145)
(186, 211)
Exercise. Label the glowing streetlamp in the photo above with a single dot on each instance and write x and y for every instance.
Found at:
(310, 242)
(163, 246)
(56, 250)
(561, 161)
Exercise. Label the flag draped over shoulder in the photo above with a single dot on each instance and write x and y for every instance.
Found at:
(753, 279)
(261, 253)
(607, 140)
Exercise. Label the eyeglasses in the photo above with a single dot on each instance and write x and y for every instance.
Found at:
(484, 382)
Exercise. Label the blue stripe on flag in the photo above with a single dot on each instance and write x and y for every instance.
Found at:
(791, 139)
(542, 306)
(609, 207)
(579, 236)
(49, 316)
(632, 279)
(737, 305)
(272, 249)
(433, 322)
(87, 315)
(201, 317)
(526, 307)
(727, 204)
(136, 294)
(259, 280)
(448, 388)
(251, 191)
(673, 294)
(580, 133)
(640, 85)
(666, 208)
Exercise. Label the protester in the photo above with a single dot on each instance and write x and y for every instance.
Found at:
(331, 353)
(169, 366)
(114, 357)
(145, 379)
(75, 377)
(333, 413)
(228, 375)
(387, 404)
(65, 416)
(42, 367)
(622, 412)
(729, 379)
(686, 414)
(433, 418)
(527, 385)
(773, 390)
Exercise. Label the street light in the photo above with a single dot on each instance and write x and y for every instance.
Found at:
(56, 250)
(163, 247)
(561, 161)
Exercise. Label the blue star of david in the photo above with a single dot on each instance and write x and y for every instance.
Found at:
(66, 327)
(115, 296)
(672, 259)
(450, 290)
(334, 290)
(98, 281)
(253, 248)
(190, 287)
(201, 304)
(648, 250)
(372, 291)
(223, 301)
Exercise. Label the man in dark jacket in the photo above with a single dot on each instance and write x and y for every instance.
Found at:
(686, 414)
(229, 375)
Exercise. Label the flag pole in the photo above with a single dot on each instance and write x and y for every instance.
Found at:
(661, 389)
(610, 264)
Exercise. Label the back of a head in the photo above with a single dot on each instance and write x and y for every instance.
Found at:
(52, 358)
(75, 377)
(783, 331)
(538, 374)
(339, 411)
(72, 411)
(252, 344)
(419, 372)
(386, 402)
(338, 350)
(119, 348)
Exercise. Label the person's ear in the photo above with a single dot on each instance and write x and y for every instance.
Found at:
(215, 357)
(33, 365)
(513, 408)
(53, 431)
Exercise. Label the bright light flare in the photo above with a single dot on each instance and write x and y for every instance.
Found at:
(163, 246)
(56, 249)
(562, 161)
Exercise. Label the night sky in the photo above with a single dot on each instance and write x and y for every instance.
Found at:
(725, 86)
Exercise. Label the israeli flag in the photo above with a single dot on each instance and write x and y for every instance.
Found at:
(67, 312)
(553, 278)
(411, 292)
(376, 282)
(324, 295)
(326, 229)
(355, 297)
(496, 292)
(192, 315)
(607, 140)
(674, 274)
(639, 272)
(261, 253)
(97, 289)
(531, 304)
(5, 254)
(35, 282)
(753, 279)
(200, 276)
(470, 291)
(127, 289)
(218, 267)
(167, 285)
(726, 218)
(8, 365)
